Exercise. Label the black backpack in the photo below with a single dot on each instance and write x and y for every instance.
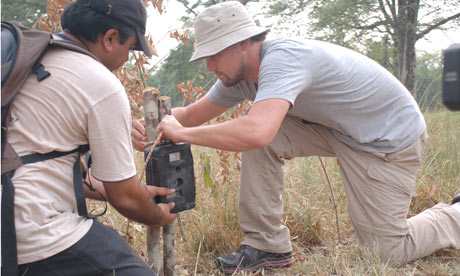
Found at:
(22, 52)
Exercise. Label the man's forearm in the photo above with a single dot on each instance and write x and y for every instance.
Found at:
(142, 209)
(180, 114)
(133, 200)
(230, 136)
(97, 185)
(197, 113)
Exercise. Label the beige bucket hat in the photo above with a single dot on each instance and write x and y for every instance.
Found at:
(222, 25)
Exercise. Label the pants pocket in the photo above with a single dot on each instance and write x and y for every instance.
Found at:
(390, 177)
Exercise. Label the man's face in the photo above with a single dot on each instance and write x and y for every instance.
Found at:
(228, 65)
(120, 53)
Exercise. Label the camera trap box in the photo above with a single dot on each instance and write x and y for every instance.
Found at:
(171, 166)
(451, 77)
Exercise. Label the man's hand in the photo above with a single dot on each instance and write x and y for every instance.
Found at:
(171, 128)
(138, 135)
(166, 216)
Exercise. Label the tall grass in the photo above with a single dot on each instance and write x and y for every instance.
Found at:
(211, 229)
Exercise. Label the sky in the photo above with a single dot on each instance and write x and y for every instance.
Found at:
(159, 26)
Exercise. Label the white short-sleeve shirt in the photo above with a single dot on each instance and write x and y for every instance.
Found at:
(82, 102)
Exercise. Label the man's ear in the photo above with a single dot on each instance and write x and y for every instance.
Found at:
(109, 39)
(244, 44)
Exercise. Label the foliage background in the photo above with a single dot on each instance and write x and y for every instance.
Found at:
(357, 24)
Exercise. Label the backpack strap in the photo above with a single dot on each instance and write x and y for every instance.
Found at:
(77, 174)
(9, 249)
(35, 41)
(58, 41)
(78, 187)
(8, 235)
(24, 45)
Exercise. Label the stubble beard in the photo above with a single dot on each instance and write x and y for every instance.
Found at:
(229, 82)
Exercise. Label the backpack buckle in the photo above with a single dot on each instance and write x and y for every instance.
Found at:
(39, 69)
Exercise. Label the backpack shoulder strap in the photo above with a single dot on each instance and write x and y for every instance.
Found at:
(22, 56)
(77, 173)
(8, 233)
(30, 46)
(23, 48)
(70, 45)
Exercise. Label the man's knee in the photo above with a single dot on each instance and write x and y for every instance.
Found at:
(391, 250)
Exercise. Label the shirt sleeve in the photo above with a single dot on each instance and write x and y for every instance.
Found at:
(282, 76)
(109, 125)
(231, 96)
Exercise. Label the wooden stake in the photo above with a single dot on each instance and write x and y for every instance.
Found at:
(164, 104)
(153, 233)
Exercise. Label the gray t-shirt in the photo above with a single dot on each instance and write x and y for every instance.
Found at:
(362, 103)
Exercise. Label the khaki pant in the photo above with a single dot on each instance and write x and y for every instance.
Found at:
(378, 187)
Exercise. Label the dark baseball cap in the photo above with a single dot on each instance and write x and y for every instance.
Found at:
(131, 13)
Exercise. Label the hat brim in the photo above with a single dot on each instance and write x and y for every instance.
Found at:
(142, 44)
(215, 46)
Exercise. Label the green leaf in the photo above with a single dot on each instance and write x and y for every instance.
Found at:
(206, 164)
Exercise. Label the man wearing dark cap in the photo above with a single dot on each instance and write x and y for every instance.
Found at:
(81, 103)
(311, 98)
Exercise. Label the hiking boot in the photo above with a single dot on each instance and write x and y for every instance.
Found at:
(456, 199)
(247, 258)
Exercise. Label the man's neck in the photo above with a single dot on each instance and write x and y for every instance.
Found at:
(93, 47)
(253, 62)
(80, 42)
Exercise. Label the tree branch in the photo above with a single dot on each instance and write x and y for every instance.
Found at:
(388, 18)
(370, 27)
(436, 25)
(392, 6)
(187, 7)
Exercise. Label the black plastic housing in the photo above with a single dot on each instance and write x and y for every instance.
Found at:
(171, 166)
(451, 77)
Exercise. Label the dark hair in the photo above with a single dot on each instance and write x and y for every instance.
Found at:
(259, 37)
(82, 21)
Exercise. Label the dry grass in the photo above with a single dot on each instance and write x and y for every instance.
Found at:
(211, 229)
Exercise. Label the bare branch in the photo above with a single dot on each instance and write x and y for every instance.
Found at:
(430, 13)
(392, 6)
(436, 25)
(370, 27)
(187, 7)
(388, 19)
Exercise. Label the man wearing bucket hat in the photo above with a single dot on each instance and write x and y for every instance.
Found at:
(311, 98)
(81, 103)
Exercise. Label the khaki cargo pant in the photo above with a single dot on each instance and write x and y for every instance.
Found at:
(378, 187)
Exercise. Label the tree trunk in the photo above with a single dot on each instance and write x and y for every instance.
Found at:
(406, 34)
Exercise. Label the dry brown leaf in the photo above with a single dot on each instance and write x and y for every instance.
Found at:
(151, 90)
(152, 45)
(183, 37)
